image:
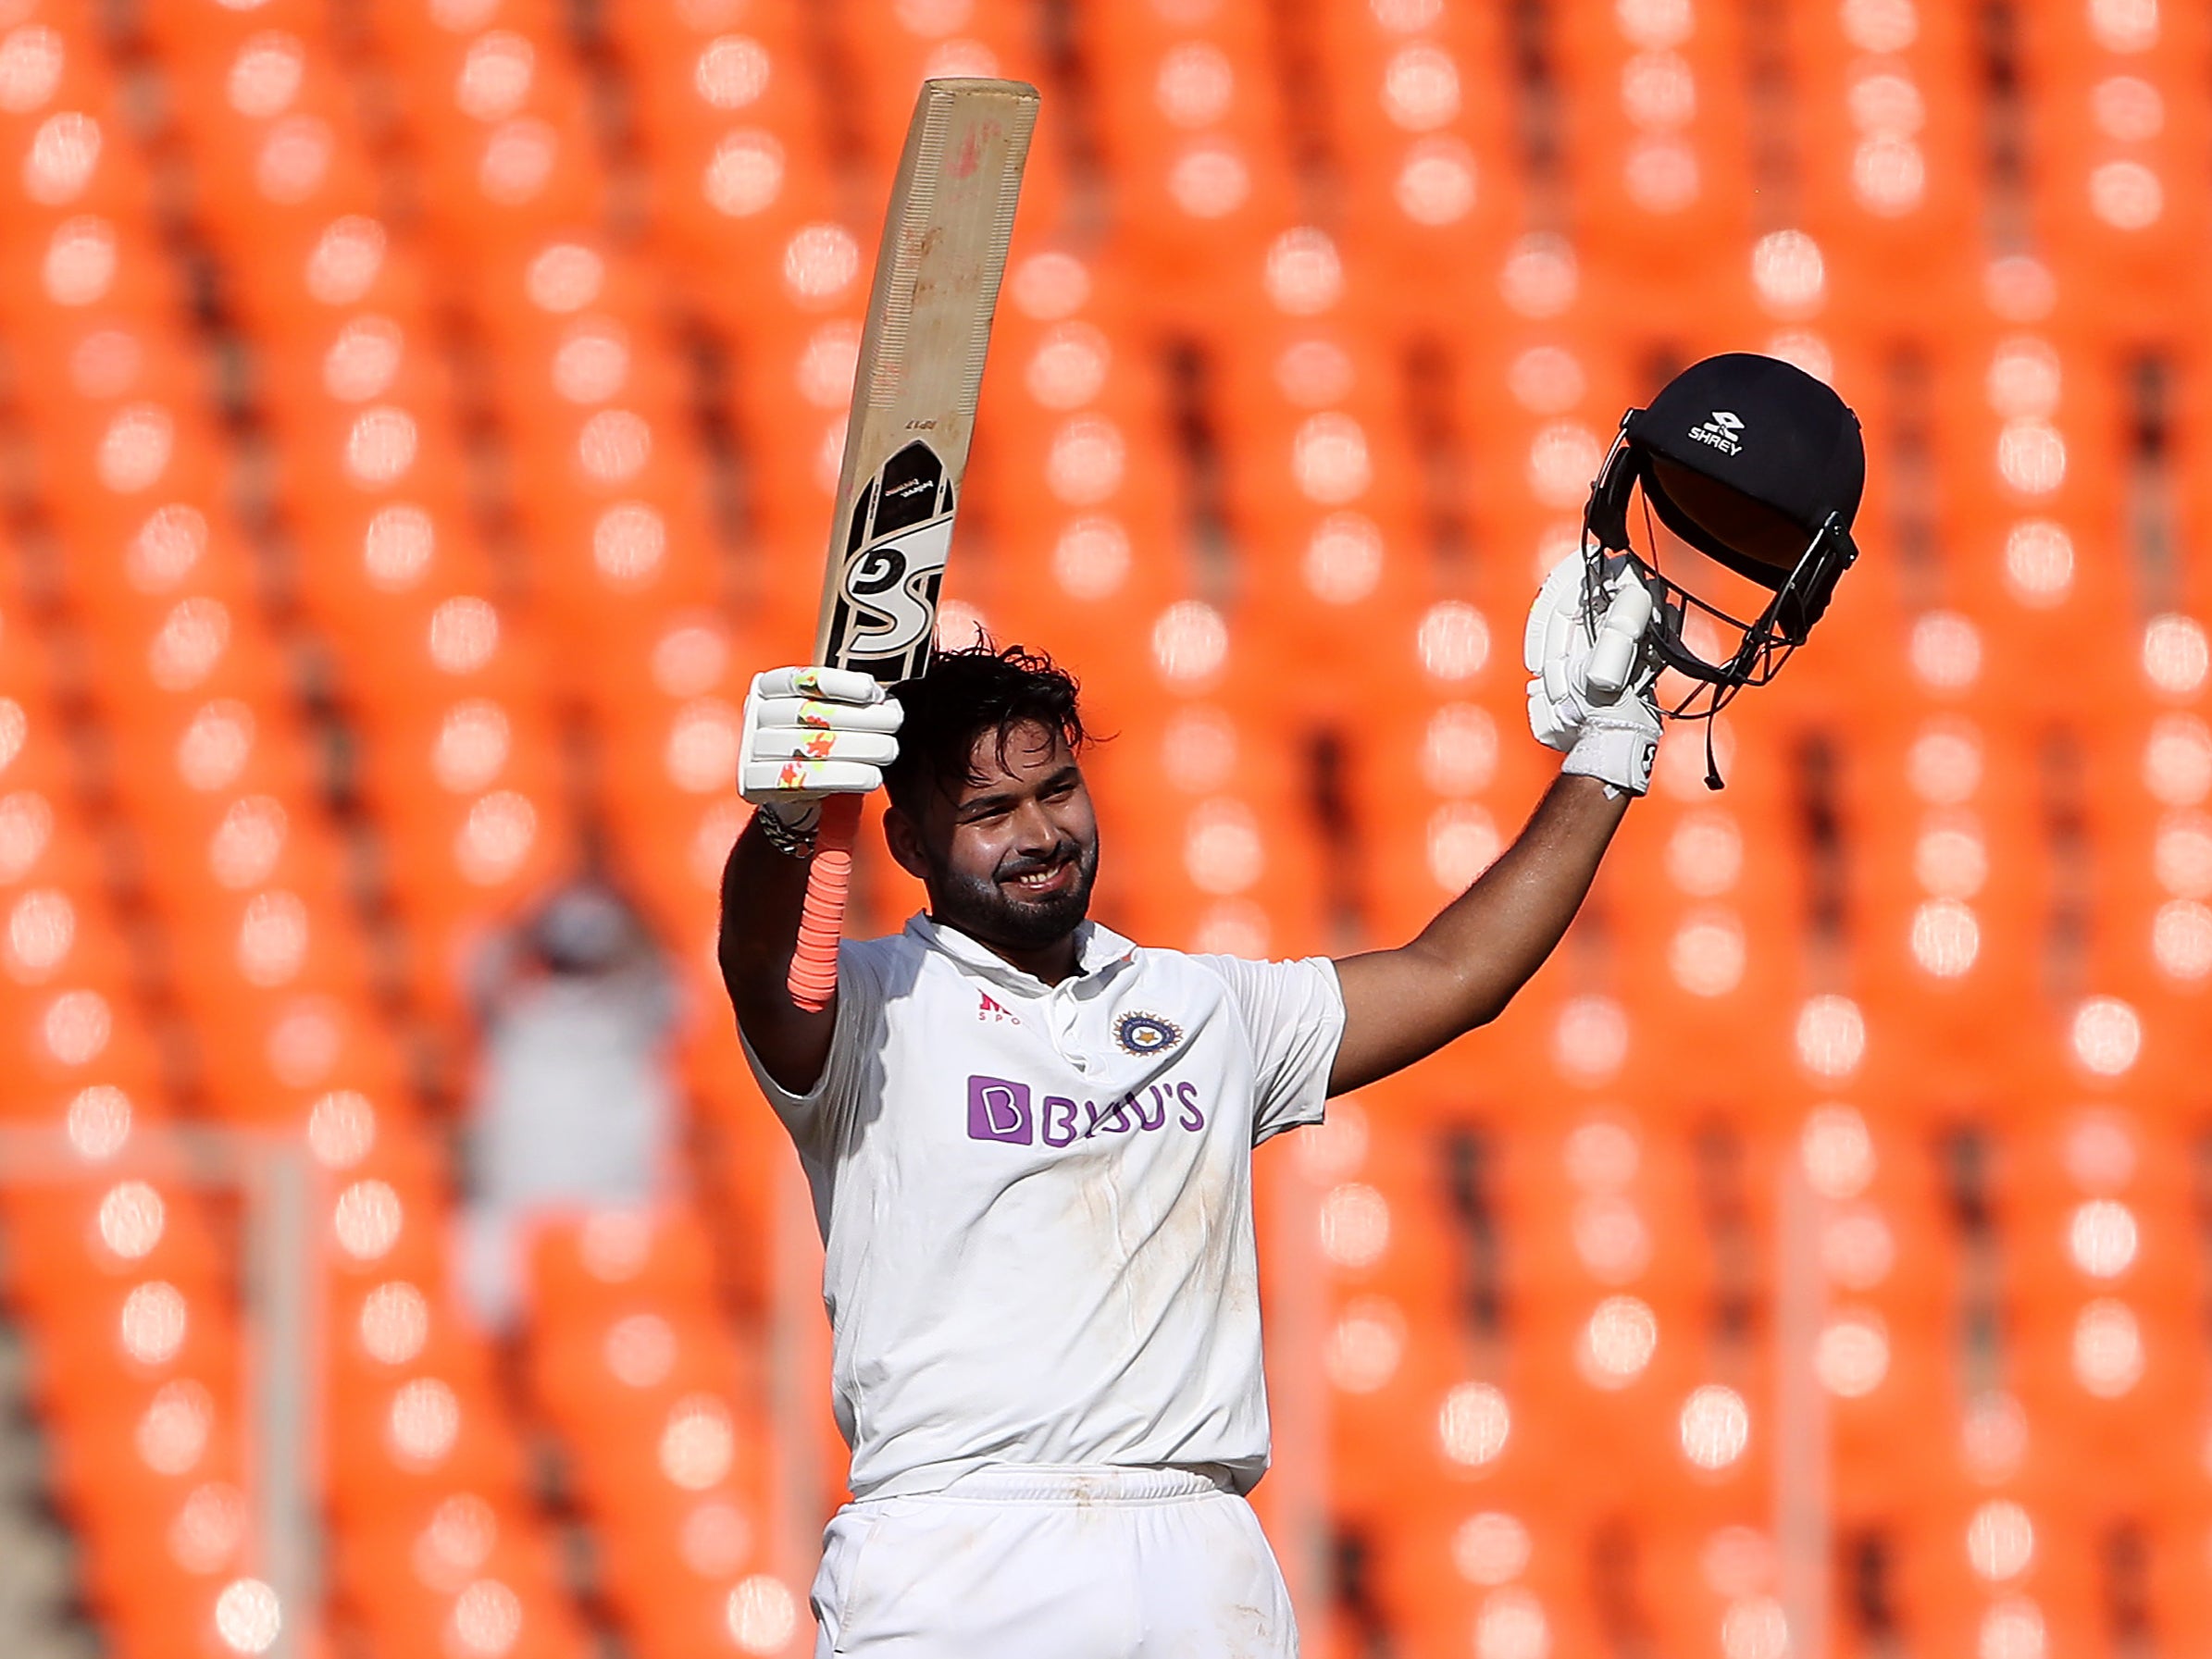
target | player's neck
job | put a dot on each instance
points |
(1049, 964)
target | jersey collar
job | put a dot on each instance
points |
(1098, 950)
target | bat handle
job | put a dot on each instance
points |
(814, 976)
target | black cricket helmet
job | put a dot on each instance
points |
(1757, 466)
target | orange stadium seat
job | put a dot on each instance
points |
(268, 120)
(1525, 461)
(1190, 123)
(733, 179)
(2034, 434)
(1891, 171)
(787, 356)
(69, 161)
(669, 716)
(429, 1477)
(134, 1364)
(1084, 536)
(458, 1571)
(705, 79)
(306, 288)
(1422, 125)
(631, 1362)
(2112, 123)
(1658, 154)
(495, 100)
(1324, 505)
(617, 518)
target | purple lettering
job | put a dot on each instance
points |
(1160, 1097)
(1114, 1119)
(998, 1110)
(1060, 1120)
(1192, 1118)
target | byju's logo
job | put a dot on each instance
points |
(998, 1110)
(1723, 431)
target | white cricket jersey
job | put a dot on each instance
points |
(1035, 1200)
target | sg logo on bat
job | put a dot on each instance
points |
(894, 566)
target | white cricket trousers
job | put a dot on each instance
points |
(1053, 1562)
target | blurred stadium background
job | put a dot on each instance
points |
(419, 422)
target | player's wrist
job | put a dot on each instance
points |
(790, 828)
(1620, 755)
(796, 815)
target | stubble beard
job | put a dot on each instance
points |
(981, 908)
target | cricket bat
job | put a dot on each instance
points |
(906, 442)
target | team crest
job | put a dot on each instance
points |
(1145, 1033)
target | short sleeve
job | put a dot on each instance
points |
(1293, 1015)
(819, 1120)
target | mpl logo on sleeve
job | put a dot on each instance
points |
(1722, 431)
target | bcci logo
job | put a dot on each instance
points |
(1145, 1033)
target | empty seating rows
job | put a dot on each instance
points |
(426, 420)
(1564, 1303)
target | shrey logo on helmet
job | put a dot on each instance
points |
(1721, 431)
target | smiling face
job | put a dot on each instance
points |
(1010, 852)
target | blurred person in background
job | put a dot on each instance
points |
(573, 1106)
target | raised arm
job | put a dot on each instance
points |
(761, 892)
(1402, 1004)
(809, 732)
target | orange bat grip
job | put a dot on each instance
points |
(814, 976)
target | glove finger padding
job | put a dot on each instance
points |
(1618, 651)
(811, 714)
(1547, 721)
(774, 782)
(1551, 619)
(829, 685)
(870, 749)
(1549, 648)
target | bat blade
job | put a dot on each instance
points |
(906, 441)
(920, 369)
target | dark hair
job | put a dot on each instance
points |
(964, 694)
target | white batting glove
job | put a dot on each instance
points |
(811, 731)
(1609, 735)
